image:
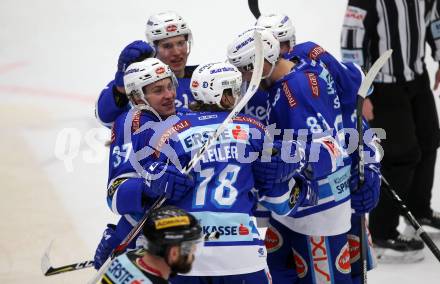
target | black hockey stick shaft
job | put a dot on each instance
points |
(89, 263)
(409, 216)
(362, 236)
(253, 6)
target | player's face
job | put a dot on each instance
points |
(181, 263)
(161, 95)
(173, 51)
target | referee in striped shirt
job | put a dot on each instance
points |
(403, 104)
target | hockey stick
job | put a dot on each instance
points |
(49, 270)
(409, 216)
(253, 86)
(255, 10)
(362, 94)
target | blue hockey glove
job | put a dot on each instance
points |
(109, 241)
(134, 52)
(282, 166)
(171, 182)
(308, 191)
(364, 199)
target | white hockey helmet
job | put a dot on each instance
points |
(210, 80)
(241, 52)
(143, 73)
(280, 25)
(166, 25)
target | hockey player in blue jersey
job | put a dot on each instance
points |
(169, 39)
(172, 236)
(152, 96)
(304, 97)
(223, 199)
(347, 77)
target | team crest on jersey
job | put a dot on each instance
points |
(273, 240)
(300, 264)
(289, 96)
(313, 83)
(354, 247)
(316, 52)
(343, 260)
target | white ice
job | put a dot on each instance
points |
(55, 57)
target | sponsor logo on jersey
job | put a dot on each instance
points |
(206, 117)
(251, 121)
(239, 133)
(171, 222)
(196, 136)
(176, 128)
(273, 240)
(355, 13)
(313, 83)
(135, 122)
(300, 264)
(316, 52)
(343, 260)
(160, 70)
(289, 96)
(119, 273)
(194, 84)
(171, 28)
(113, 135)
(354, 247)
(321, 265)
(231, 226)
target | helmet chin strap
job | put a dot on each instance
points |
(270, 72)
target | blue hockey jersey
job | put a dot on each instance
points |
(222, 199)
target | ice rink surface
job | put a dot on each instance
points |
(55, 57)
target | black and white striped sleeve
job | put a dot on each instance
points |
(433, 29)
(360, 22)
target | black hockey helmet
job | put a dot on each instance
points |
(169, 226)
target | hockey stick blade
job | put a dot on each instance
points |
(253, 87)
(255, 10)
(49, 270)
(378, 64)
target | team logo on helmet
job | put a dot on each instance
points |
(195, 84)
(273, 240)
(300, 264)
(171, 28)
(160, 70)
(343, 260)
